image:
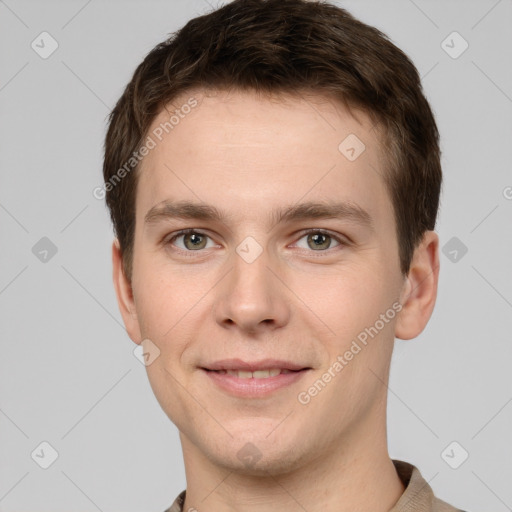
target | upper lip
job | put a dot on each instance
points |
(264, 364)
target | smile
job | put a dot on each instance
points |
(254, 384)
(259, 374)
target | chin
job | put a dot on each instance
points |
(259, 456)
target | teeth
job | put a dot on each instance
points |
(259, 374)
(263, 374)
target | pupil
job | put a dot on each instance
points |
(194, 240)
(319, 239)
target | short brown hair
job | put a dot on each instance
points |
(286, 46)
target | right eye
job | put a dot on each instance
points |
(192, 240)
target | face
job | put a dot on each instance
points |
(290, 263)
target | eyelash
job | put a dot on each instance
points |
(188, 231)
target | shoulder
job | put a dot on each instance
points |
(418, 495)
(177, 506)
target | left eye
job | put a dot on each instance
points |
(318, 240)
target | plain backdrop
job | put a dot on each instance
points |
(68, 374)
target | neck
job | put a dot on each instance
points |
(357, 476)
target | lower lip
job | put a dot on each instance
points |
(253, 388)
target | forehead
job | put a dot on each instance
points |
(244, 151)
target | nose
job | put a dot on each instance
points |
(252, 297)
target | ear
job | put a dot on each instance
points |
(124, 295)
(419, 292)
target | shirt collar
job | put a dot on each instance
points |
(417, 497)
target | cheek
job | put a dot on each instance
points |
(161, 301)
(172, 309)
(345, 302)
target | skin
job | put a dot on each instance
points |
(247, 155)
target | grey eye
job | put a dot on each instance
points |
(192, 241)
(318, 241)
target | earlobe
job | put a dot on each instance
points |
(419, 291)
(124, 294)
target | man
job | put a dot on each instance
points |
(273, 176)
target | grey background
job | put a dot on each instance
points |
(68, 375)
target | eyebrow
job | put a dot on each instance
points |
(168, 210)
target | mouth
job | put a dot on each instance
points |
(254, 379)
(256, 374)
